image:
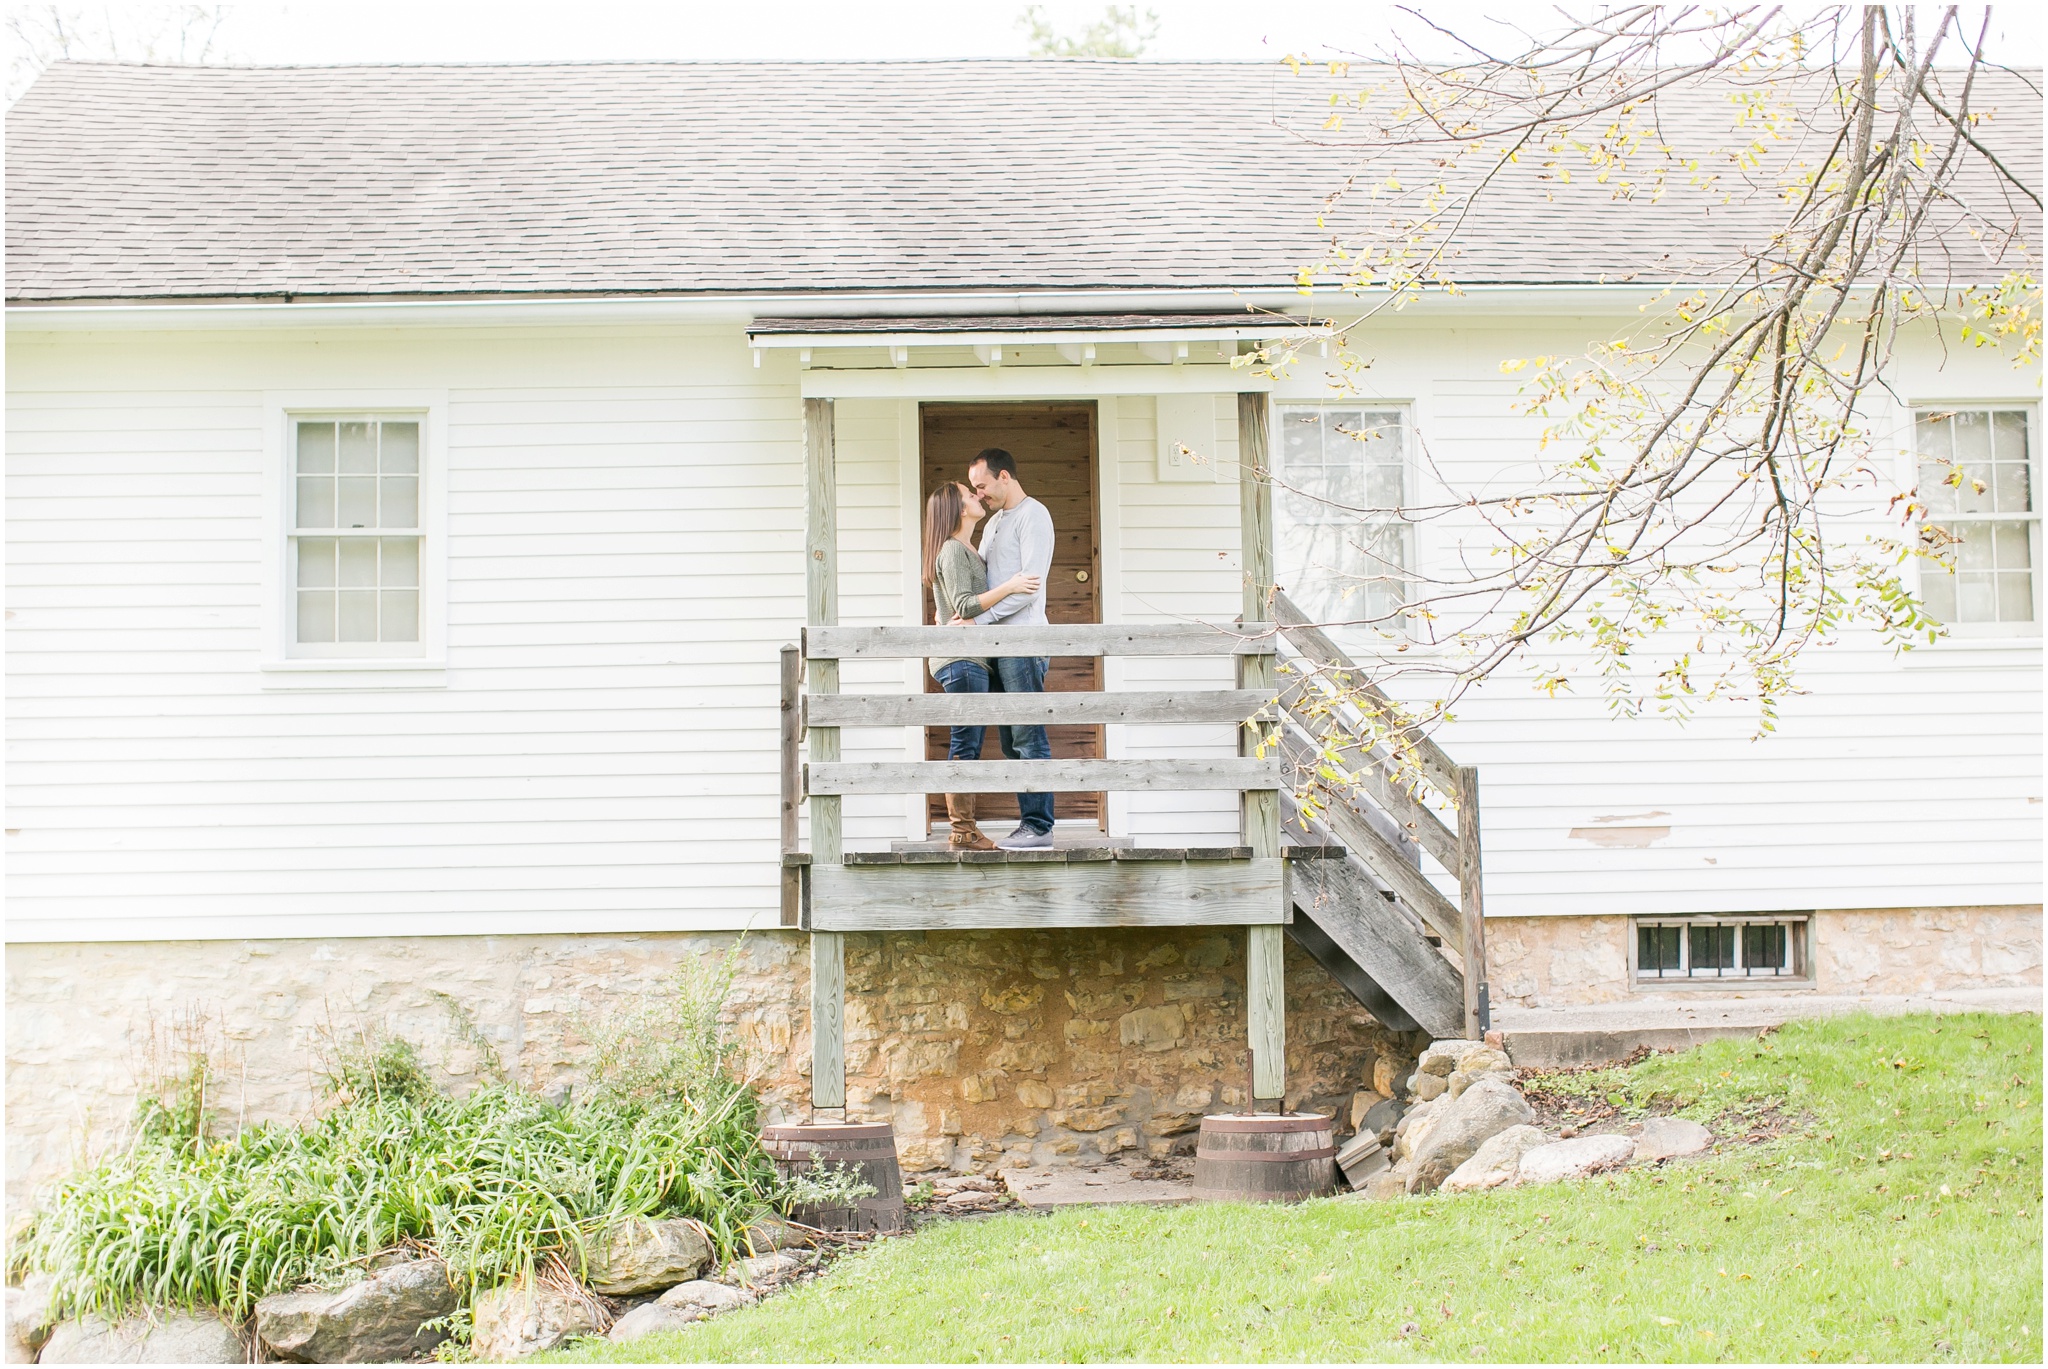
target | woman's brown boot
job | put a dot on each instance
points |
(966, 836)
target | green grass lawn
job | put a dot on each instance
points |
(1899, 1218)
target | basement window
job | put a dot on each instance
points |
(1716, 949)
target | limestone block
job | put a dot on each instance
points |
(1425, 1088)
(515, 1320)
(1088, 1119)
(1153, 1029)
(649, 1318)
(1666, 1138)
(161, 1337)
(1387, 1073)
(641, 1256)
(1574, 1159)
(704, 1298)
(373, 1322)
(1033, 1094)
(1442, 1056)
(1496, 1161)
(1362, 1102)
(1459, 1126)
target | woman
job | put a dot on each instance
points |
(959, 581)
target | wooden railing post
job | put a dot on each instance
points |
(821, 596)
(1265, 987)
(1478, 1011)
(792, 779)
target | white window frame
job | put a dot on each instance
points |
(1984, 634)
(1278, 409)
(1798, 950)
(286, 664)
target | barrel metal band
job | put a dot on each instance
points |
(1268, 1156)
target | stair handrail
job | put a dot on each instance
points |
(1457, 783)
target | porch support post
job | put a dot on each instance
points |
(821, 609)
(1265, 986)
(1478, 1011)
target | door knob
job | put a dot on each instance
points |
(1082, 576)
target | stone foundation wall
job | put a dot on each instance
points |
(980, 1047)
(1562, 961)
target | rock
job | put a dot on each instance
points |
(1496, 1160)
(1381, 1119)
(515, 1320)
(703, 1298)
(1459, 1126)
(372, 1322)
(773, 1233)
(1668, 1138)
(642, 1256)
(152, 1338)
(764, 1268)
(648, 1318)
(1413, 1126)
(1574, 1159)
(1442, 1056)
(973, 1200)
(1392, 1183)
(1362, 1104)
(1484, 1060)
(31, 1312)
(1426, 1088)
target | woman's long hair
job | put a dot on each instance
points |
(941, 518)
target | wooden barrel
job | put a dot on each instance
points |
(1265, 1158)
(866, 1147)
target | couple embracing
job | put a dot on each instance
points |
(1002, 582)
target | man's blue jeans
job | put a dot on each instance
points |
(1026, 675)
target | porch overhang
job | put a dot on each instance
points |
(1060, 353)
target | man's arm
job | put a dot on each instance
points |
(1034, 557)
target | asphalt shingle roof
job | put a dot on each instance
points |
(136, 182)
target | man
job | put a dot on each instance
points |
(1018, 537)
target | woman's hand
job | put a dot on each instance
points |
(1019, 583)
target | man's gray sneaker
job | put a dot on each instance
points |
(1024, 839)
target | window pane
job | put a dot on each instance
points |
(357, 621)
(358, 563)
(316, 448)
(358, 449)
(401, 622)
(316, 501)
(401, 507)
(2015, 597)
(2011, 490)
(1973, 552)
(399, 446)
(1975, 600)
(316, 562)
(1763, 948)
(316, 615)
(401, 568)
(1973, 454)
(1657, 949)
(1938, 592)
(358, 501)
(1713, 948)
(2009, 545)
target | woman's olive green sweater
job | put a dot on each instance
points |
(958, 582)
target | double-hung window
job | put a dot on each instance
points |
(356, 535)
(1976, 479)
(1345, 551)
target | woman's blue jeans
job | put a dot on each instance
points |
(964, 677)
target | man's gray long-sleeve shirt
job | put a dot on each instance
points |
(1018, 539)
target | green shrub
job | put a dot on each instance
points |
(495, 1184)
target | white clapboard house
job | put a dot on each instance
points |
(473, 501)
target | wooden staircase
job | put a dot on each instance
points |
(1375, 920)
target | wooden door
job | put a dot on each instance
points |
(1055, 446)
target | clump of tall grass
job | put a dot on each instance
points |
(497, 1184)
